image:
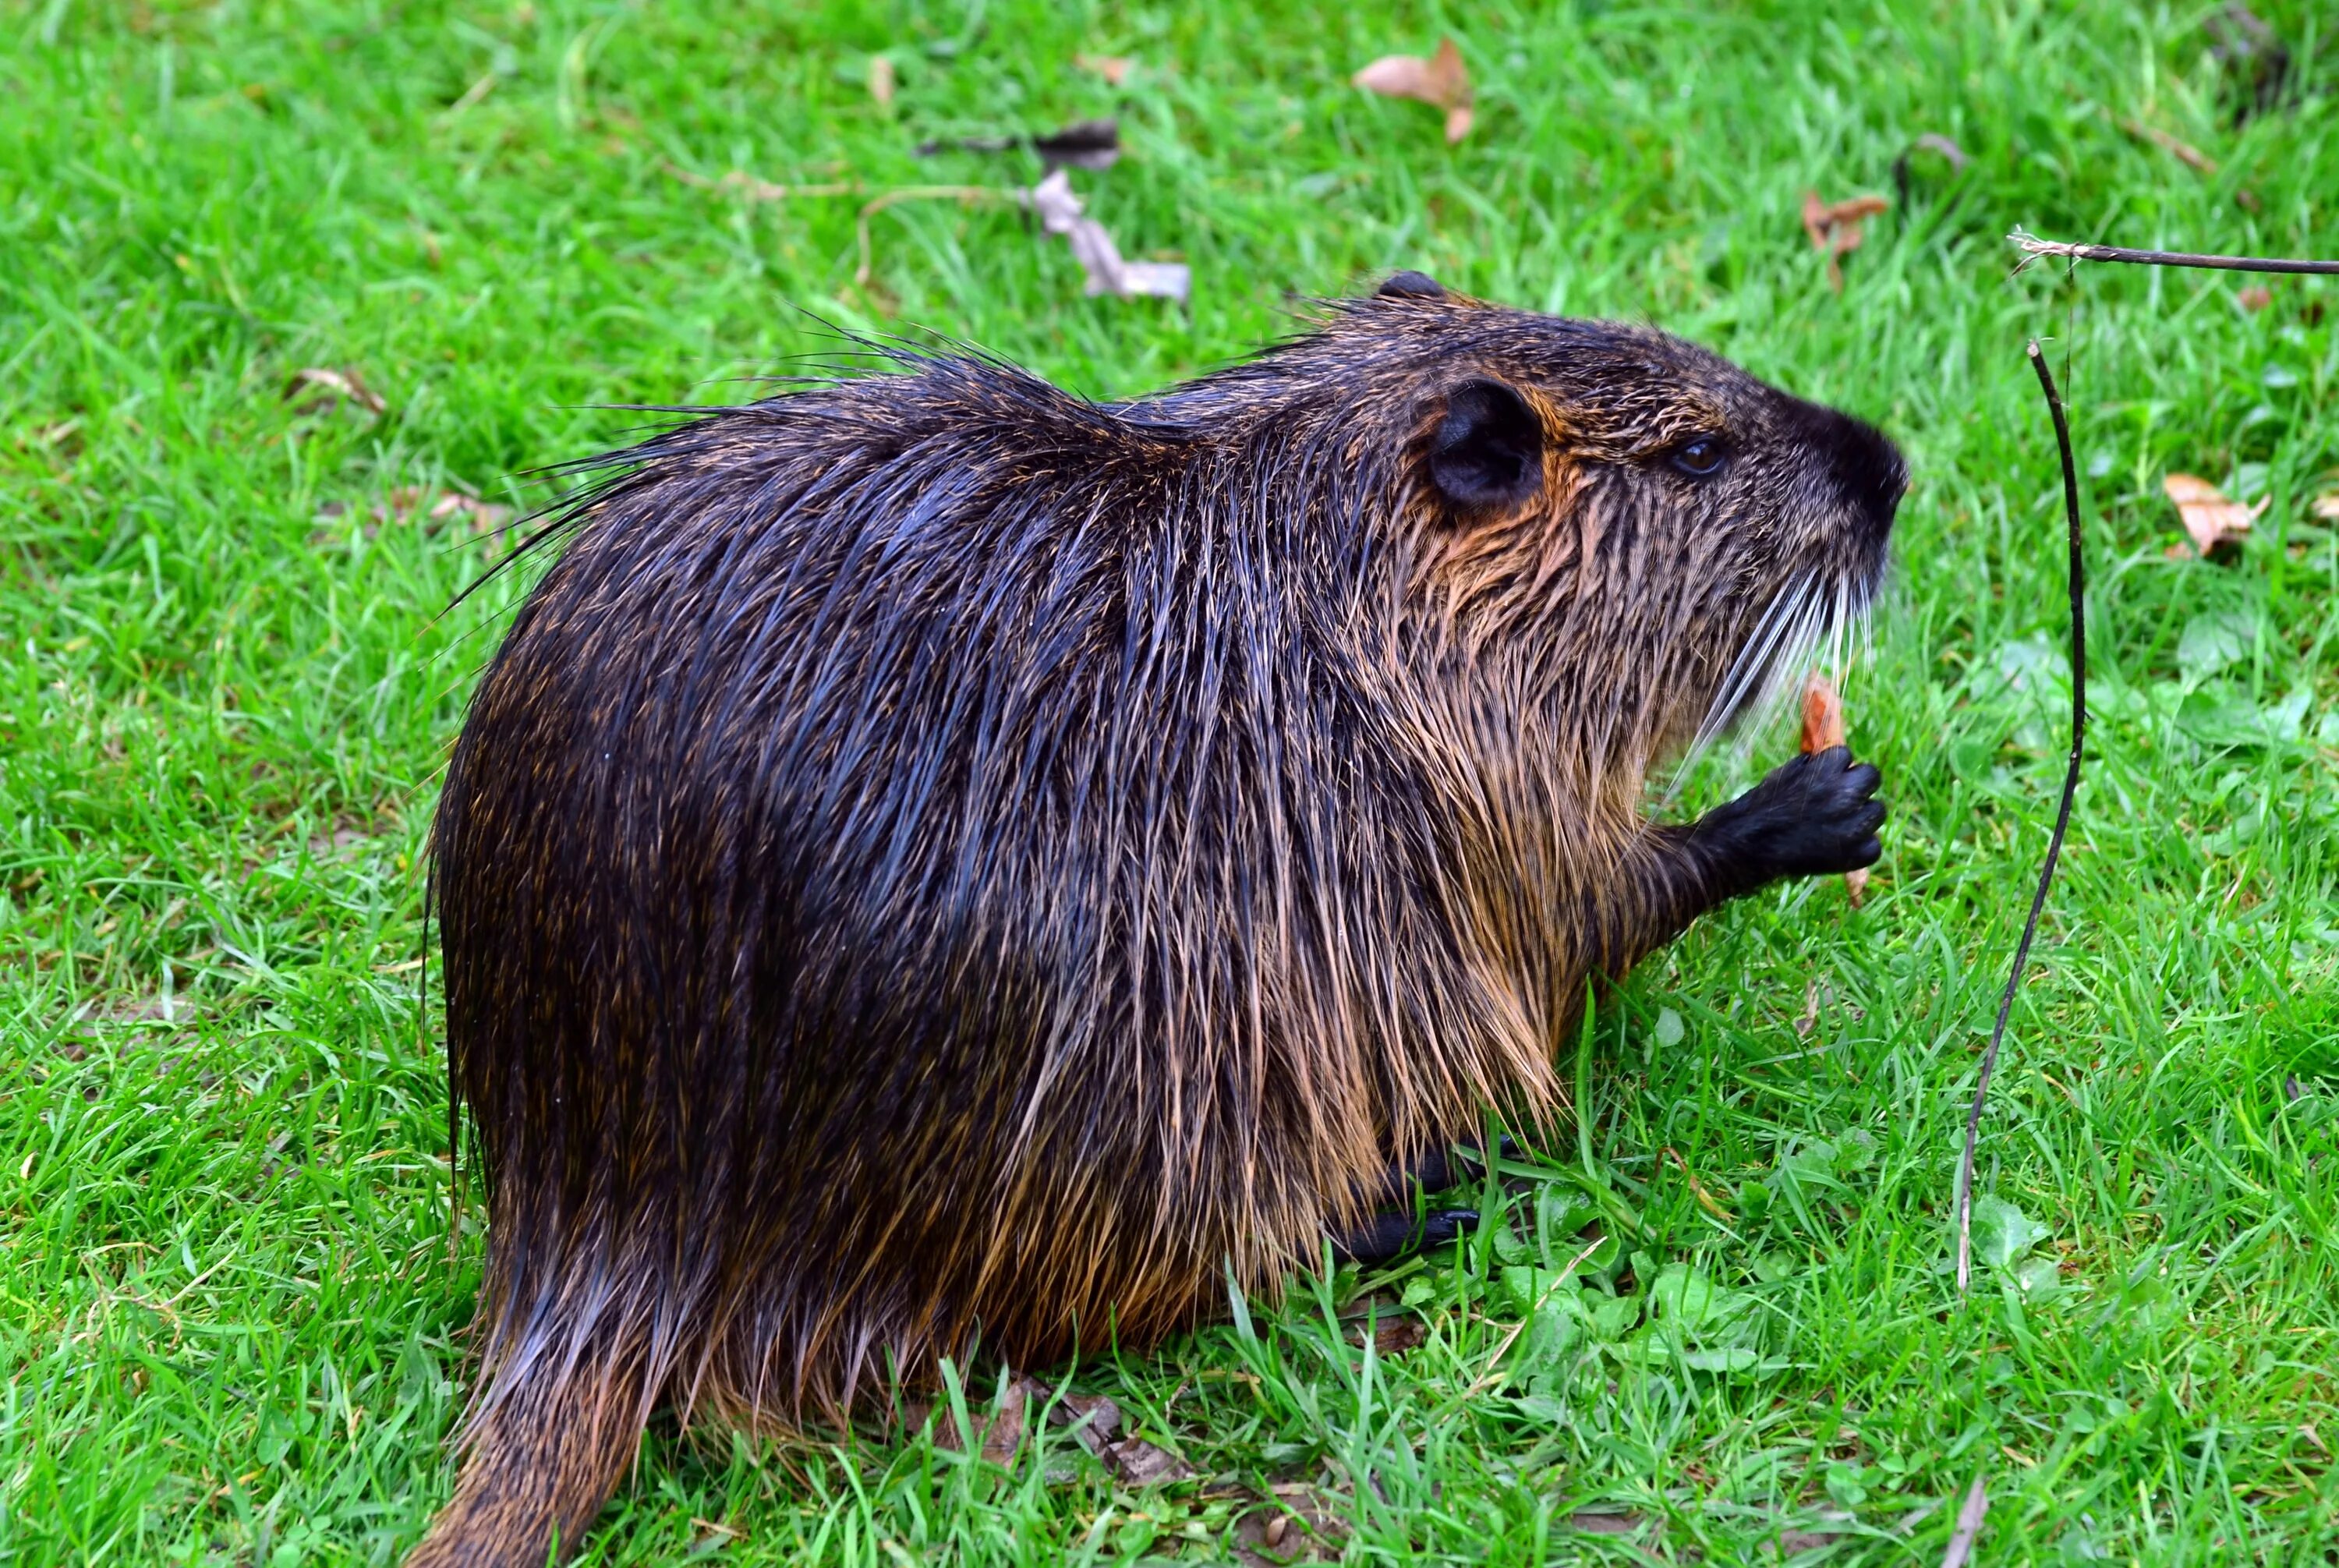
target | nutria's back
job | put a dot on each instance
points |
(939, 857)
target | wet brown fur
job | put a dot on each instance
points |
(938, 859)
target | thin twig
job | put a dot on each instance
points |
(1703, 1197)
(1488, 1378)
(2033, 247)
(2184, 152)
(2078, 586)
(758, 190)
(919, 194)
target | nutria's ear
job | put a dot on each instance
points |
(1485, 450)
(1410, 286)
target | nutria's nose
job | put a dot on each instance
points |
(1864, 463)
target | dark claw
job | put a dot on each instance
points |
(1443, 1225)
(1385, 1238)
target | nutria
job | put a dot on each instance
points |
(938, 859)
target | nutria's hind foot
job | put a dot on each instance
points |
(1385, 1238)
(1813, 816)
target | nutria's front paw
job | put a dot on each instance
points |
(1812, 816)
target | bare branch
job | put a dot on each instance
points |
(2033, 247)
(2078, 586)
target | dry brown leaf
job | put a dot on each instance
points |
(2326, 506)
(1400, 1335)
(1114, 68)
(996, 1436)
(2210, 520)
(435, 507)
(1394, 1335)
(1002, 1435)
(1823, 728)
(338, 385)
(1809, 1019)
(1141, 1463)
(880, 80)
(1092, 1418)
(1441, 81)
(2257, 297)
(1838, 228)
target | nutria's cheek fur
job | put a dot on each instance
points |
(938, 862)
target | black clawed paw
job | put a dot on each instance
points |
(1813, 816)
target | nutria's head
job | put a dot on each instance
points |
(1598, 524)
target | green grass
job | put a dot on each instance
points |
(233, 1328)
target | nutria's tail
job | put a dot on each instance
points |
(548, 1435)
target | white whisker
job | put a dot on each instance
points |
(1754, 659)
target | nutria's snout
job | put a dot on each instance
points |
(1868, 470)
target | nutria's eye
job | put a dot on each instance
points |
(1702, 459)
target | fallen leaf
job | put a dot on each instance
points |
(1141, 1463)
(1393, 1336)
(1838, 228)
(1114, 68)
(2210, 520)
(1970, 1513)
(2257, 297)
(1002, 1435)
(1823, 728)
(880, 80)
(997, 1433)
(1441, 81)
(338, 386)
(1809, 1019)
(1092, 1419)
(1060, 213)
(2326, 506)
